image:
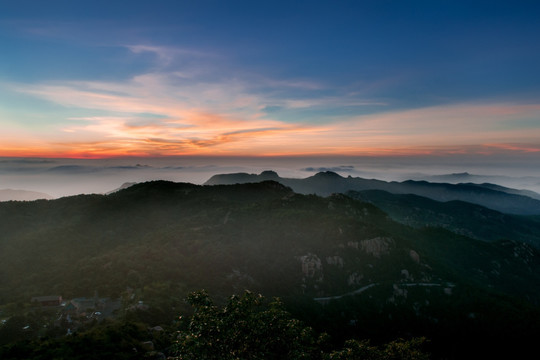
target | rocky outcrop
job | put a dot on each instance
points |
(377, 246)
(335, 260)
(311, 265)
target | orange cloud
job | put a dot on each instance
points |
(166, 114)
(524, 148)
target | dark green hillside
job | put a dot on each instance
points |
(460, 217)
(340, 264)
(198, 236)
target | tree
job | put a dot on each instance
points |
(247, 327)
(395, 350)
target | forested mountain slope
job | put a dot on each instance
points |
(340, 263)
(461, 217)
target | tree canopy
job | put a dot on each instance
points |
(248, 327)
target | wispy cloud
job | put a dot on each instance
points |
(328, 102)
(456, 124)
(516, 147)
(157, 114)
(166, 55)
(180, 108)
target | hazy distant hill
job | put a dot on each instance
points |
(495, 197)
(487, 181)
(21, 195)
(457, 216)
(528, 193)
(123, 186)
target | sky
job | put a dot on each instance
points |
(102, 79)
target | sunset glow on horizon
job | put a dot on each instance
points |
(95, 80)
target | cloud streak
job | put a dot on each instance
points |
(180, 108)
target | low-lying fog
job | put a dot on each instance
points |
(63, 177)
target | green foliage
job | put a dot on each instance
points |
(404, 350)
(355, 350)
(245, 328)
(395, 350)
(110, 340)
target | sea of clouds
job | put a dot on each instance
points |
(64, 177)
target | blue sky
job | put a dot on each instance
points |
(141, 78)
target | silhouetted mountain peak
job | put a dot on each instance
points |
(269, 175)
(327, 175)
(234, 178)
(153, 188)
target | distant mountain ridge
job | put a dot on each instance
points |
(123, 186)
(527, 182)
(500, 198)
(507, 190)
(22, 195)
(460, 217)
